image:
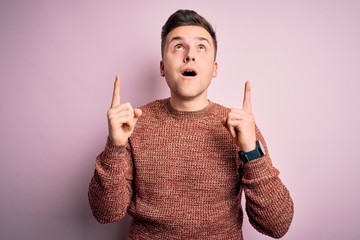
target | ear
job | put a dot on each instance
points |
(215, 70)
(162, 72)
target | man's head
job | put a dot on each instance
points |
(188, 57)
(186, 18)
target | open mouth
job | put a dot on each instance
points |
(189, 73)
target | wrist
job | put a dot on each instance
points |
(248, 147)
(257, 152)
(118, 143)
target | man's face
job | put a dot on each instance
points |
(189, 62)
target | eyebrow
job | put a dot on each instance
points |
(179, 38)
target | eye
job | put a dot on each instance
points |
(179, 47)
(202, 48)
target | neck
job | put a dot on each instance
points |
(188, 105)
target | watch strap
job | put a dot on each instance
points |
(258, 152)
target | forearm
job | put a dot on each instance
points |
(268, 202)
(110, 188)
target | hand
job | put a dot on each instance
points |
(121, 118)
(241, 124)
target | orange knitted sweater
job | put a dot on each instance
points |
(179, 177)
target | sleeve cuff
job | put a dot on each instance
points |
(114, 152)
(259, 168)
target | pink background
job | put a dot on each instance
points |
(58, 60)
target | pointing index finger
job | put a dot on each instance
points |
(247, 98)
(116, 93)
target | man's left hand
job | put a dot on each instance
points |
(241, 124)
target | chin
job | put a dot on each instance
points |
(189, 95)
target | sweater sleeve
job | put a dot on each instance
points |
(110, 189)
(269, 205)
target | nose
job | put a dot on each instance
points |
(189, 57)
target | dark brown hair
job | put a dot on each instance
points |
(186, 17)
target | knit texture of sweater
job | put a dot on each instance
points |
(180, 177)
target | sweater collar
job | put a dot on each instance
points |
(187, 114)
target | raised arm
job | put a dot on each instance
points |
(268, 202)
(110, 188)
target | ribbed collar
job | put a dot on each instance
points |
(185, 114)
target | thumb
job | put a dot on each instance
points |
(137, 112)
(231, 129)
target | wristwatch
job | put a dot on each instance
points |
(258, 152)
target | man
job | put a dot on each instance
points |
(178, 166)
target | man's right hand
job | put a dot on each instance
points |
(121, 118)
